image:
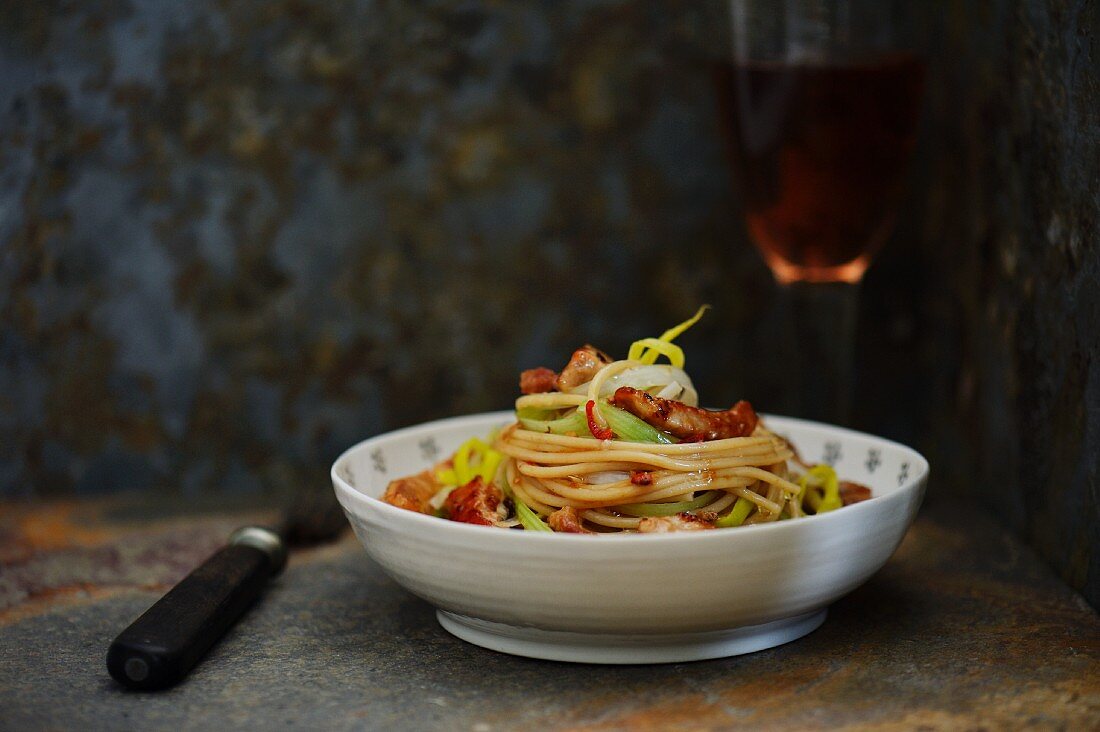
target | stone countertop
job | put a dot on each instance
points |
(964, 627)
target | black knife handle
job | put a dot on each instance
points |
(161, 646)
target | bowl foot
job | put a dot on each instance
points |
(556, 645)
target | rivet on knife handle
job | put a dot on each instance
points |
(161, 646)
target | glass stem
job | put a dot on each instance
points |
(824, 318)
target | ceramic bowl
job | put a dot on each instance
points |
(631, 598)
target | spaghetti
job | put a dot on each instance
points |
(548, 472)
(611, 446)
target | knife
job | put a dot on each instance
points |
(165, 643)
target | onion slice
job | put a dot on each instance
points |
(607, 476)
(651, 378)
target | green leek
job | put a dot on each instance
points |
(821, 477)
(489, 464)
(737, 515)
(462, 459)
(528, 518)
(666, 509)
(574, 423)
(536, 413)
(630, 428)
(648, 350)
(474, 457)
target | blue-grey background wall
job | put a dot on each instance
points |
(236, 237)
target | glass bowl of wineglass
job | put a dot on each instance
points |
(820, 101)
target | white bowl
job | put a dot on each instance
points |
(631, 598)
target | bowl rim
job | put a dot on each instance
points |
(344, 490)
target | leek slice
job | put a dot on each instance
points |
(648, 377)
(528, 518)
(473, 458)
(737, 515)
(574, 422)
(666, 509)
(821, 477)
(648, 350)
(536, 413)
(489, 464)
(462, 460)
(671, 334)
(630, 428)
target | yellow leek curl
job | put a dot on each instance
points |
(473, 458)
(648, 350)
(821, 489)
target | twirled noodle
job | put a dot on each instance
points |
(641, 478)
(548, 472)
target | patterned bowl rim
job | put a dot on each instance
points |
(347, 493)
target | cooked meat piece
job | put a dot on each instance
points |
(537, 381)
(680, 522)
(641, 477)
(567, 521)
(584, 364)
(413, 492)
(683, 421)
(474, 503)
(853, 492)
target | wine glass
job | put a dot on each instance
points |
(821, 100)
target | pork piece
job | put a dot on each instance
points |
(680, 522)
(415, 491)
(853, 492)
(474, 503)
(567, 521)
(584, 364)
(538, 381)
(686, 422)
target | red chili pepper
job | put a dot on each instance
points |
(641, 477)
(600, 433)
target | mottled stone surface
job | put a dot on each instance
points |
(236, 237)
(964, 627)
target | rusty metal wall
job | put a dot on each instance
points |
(236, 237)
